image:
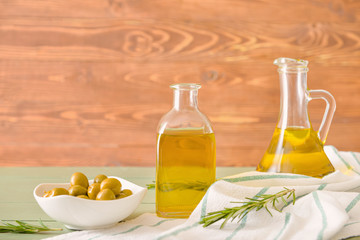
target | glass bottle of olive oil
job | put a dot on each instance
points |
(185, 165)
(295, 147)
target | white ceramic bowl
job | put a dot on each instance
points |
(78, 213)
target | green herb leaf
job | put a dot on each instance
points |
(168, 187)
(23, 227)
(151, 185)
(254, 203)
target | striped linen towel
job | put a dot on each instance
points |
(325, 208)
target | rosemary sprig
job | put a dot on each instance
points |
(254, 203)
(151, 185)
(168, 187)
(23, 227)
(196, 185)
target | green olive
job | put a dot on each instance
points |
(77, 190)
(127, 192)
(99, 178)
(111, 183)
(56, 192)
(93, 190)
(47, 194)
(105, 194)
(79, 178)
(83, 196)
(121, 195)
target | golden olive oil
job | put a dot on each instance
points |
(296, 150)
(185, 169)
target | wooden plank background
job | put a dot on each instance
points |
(86, 82)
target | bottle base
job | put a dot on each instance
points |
(173, 214)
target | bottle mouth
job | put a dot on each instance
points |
(291, 65)
(185, 86)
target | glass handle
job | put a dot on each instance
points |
(329, 111)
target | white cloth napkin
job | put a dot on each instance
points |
(325, 208)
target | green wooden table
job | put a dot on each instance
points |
(17, 185)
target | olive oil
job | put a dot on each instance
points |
(296, 150)
(185, 169)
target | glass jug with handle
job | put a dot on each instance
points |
(295, 147)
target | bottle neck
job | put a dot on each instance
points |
(293, 99)
(185, 99)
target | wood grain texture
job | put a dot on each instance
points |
(210, 10)
(86, 83)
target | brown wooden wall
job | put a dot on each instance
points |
(86, 82)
